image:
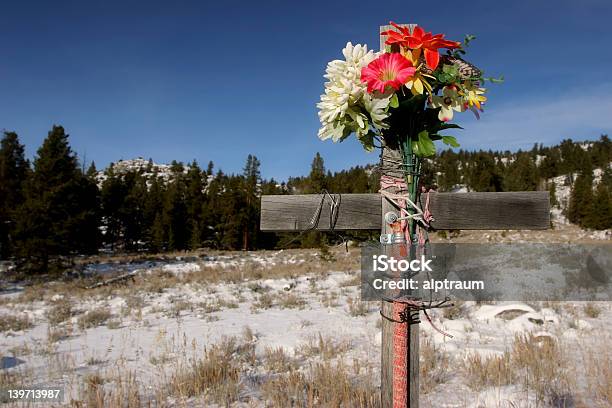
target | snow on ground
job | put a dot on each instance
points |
(151, 333)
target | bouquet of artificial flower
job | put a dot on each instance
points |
(405, 95)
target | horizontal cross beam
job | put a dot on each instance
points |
(529, 210)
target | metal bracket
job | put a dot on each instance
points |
(393, 238)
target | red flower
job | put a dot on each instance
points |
(419, 39)
(390, 69)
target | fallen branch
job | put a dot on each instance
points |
(120, 278)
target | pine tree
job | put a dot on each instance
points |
(232, 214)
(316, 179)
(175, 215)
(315, 183)
(212, 223)
(14, 170)
(58, 217)
(177, 167)
(250, 212)
(159, 237)
(427, 178)
(92, 172)
(581, 197)
(600, 215)
(522, 174)
(194, 197)
(551, 164)
(132, 208)
(606, 178)
(112, 196)
(153, 210)
(448, 166)
(601, 152)
(483, 174)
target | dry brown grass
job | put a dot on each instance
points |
(248, 335)
(216, 375)
(114, 324)
(227, 303)
(325, 385)
(14, 378)
(357, 307)
(208, 306)
(597, 362)
(324, 347)
(55, 334)
(276, 360)
(592, 310)
(541, 366)
(329, 299)
(123, 391)
(32, 293)
(60, 311)
(489, 371)
(291, 301)
(134, 303)
(177, 306)
(93, 318)
(535, 363)
(434, 366)
(263, 301)
(14, 323)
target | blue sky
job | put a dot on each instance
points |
(219, 80)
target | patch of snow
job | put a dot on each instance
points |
(181, 268)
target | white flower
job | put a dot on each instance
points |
(376, 105)
(448, 102)
(341, 107)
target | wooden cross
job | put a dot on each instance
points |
(527, 210)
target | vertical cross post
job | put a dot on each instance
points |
(399, 357)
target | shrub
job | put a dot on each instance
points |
(14, 323)
(94, 318)
(60, 311)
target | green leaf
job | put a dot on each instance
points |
(450, 140)
(394, 102)
(450, 69)
(468, 39)
(499, 80)
(424, 147)
(448, 126)
(367, 140)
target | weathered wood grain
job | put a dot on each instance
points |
(295, 212)
(467, 211)
(388, 158)
(508, 210)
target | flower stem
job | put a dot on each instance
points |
(412, 164)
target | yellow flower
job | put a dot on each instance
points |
(417, 83)
(473, 94)
(412, 55)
